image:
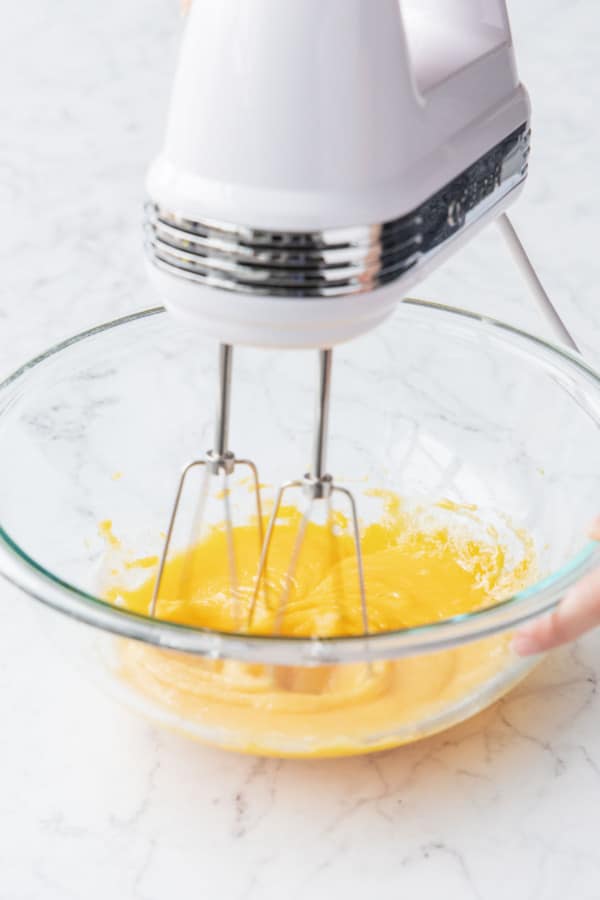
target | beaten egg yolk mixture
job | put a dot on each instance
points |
(414, 575)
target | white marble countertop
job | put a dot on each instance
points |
(94, 803)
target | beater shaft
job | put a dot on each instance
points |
(323, 403)
(224, 402)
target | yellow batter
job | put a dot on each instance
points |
(417, 571)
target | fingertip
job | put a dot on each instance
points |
(526, 644)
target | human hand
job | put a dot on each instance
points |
(577, 613)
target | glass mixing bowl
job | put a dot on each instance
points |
(438, 403)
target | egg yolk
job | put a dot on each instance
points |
(416, 572)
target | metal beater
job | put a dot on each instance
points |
(219, 461)
(316, 485)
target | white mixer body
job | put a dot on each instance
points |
(322, 155)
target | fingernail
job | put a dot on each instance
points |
(525, 645)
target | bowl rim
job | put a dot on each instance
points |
(35, 580)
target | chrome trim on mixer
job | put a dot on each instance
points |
(333, 262)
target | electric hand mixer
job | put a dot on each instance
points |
(321, 157)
